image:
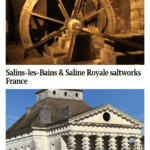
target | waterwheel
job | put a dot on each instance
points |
(86, 14)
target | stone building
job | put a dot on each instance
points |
(61, 120)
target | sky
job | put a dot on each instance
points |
(129, 101)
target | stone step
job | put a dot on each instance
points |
(89, 62)
(63, 41)
(110, 57)
(97, 48)
(56, 52)
(65, 60)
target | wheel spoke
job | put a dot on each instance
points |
(115, 39)
(46, 38)
(91, 14)
(63, 10)
(76, 8)
(43, 17)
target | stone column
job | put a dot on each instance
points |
(85, 142)
(112, 143)
(71, 142)
(99, 143)
(137, 143)
(125, 143)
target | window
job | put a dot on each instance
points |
(28, 147)
(76, 94)
(44, 94)
(65, 93)
(66, 111)
(39, 96)
(106, 116)
(53, 147)
(54, 92)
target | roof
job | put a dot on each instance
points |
(40, 91)
(78, 90)
(56, 105)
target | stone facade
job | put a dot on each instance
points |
(137, 15)
(78, 134)
(122, 16)
(35, 140)
(75, 142)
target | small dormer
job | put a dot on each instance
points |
(75, 94)
(45, 114)
(66, 112)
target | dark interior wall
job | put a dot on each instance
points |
(17, 7)
(122, 16)
(13, 10)
(7, 23)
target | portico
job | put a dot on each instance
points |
(100, 141)
(98, 130)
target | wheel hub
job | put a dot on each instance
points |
(74, 24)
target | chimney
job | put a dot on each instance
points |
(66, 112)
(28, 110)
(45, 114)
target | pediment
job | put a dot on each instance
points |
(115, 116)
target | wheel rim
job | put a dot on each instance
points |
(24, 23)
